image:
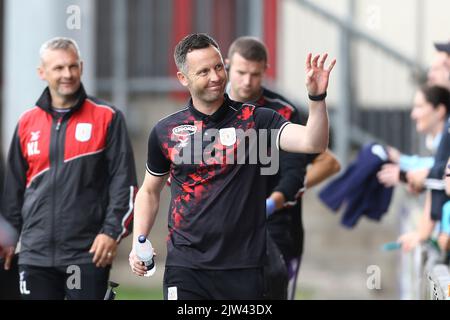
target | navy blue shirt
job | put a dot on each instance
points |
(217, 209)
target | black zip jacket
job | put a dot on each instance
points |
(68, 179)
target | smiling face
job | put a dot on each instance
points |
(427, 117)
(205, 76)
(439, 72)
(62, 70)
(246, 78)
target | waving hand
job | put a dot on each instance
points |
(317, 75)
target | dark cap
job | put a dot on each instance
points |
(442, 46)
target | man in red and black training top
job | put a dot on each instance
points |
(247, 63)
(216, 241)
(69, 184)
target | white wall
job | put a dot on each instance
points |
(29, 23)
(381, 81)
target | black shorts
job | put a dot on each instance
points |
(194, 284)
(275, 272)
(75, 282)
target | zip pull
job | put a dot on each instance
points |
(58, 124)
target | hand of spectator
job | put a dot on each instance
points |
(444, 242)
(389, 175)
(270, 207)
(8, 254)
(137, 266)
(416, 179)
(393, 154)
(104, 249)
(316, 75)
(409, 241)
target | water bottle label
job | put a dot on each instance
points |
(150, 272)
(151, 268)
(149, 264)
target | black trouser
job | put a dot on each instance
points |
(275, 272)
(193, 284)
(9, 281)
(75, 282)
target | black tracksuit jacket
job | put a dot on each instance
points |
(68, 179)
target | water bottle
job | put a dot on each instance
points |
(144, 252)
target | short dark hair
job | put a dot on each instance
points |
(250, 48)
(190, 43)
(437, 95)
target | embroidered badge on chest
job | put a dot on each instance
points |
(183, 133)
(83, 132)
(227, 136)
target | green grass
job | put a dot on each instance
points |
(304, 294)
(131, 293)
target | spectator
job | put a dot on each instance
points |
(430, 111)
(440, 98)
(444, 48)
(444, 236)
(439, 72)
(415, 169)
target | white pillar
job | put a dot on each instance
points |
(29, 23)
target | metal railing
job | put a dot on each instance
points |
(438, 283)
(350, 130)
(423, 273)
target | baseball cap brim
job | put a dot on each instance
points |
(445, 47)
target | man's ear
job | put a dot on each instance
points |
(81, 67)
(41, 72)
(442, 111)
(227, 64)
(182, 78)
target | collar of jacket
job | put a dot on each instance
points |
(45, 100)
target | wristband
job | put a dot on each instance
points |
(319, 97)
(270, 207)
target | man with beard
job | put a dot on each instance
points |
(216, 241)
(70, 184)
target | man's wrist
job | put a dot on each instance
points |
(109, 232)
(319, 97)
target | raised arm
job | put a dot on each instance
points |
(312, 138)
